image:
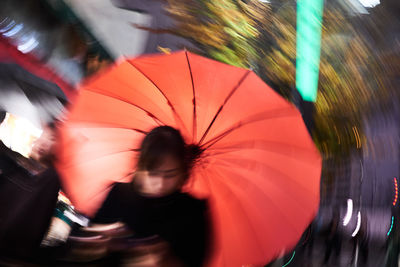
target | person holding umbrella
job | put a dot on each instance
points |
(258, 166)
(153, 205)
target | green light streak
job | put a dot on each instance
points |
(308, 46)
(294, 252)
(391, 226)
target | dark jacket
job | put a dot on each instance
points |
(179, 219)
(27, 202)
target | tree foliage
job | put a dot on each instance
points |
(262, 37)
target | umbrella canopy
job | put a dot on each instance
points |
(25, 94)
(259, 167)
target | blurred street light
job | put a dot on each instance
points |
(369, 3)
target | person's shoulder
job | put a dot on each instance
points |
(5, 159)
(9, 161)
(48, 176)
(122, 186)
(6, 154)
(193, 202)
(49, 171)
(121, 190)
(118, 193)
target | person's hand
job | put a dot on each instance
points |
(156, 254)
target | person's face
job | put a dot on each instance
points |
(163, 180)
(43, 147)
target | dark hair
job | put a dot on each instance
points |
(165, 141)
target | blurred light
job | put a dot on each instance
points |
(294, 252)
(28, 46)
(357, 136)
(18, 134)
(396, 191)
(8, 27)
(164, 50)
(77, 218)
(63, 198)
(308, 44)
(391, 226)
(369, 3)
(14, 30)
(337, 134)
(349, 212)
(358, 225)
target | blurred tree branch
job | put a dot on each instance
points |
(257, 35)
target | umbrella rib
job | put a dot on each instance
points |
(272, 202)
(212, 192)
(109, 155)
(240, 124)
(223, 104)
(239, 146)
(161, 91)
(241, 207)
(271, 168)
(246, 144)
(193, 100)
(151, 115)
(95, 125)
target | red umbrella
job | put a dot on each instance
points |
(260, 168)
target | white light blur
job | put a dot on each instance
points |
(3, 21)
(28, 46)
(18, 134)
(349, 212)
(77, 218)
(14, 30)
(369, 3)
(8, 27)
(358, 225)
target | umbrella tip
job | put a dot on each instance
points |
(193, 153)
